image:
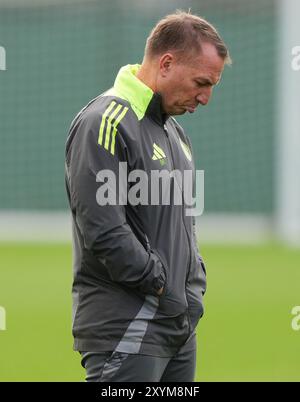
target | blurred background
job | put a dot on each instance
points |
(57, 55)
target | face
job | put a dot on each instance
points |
(184, 86)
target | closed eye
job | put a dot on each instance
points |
(204, 83)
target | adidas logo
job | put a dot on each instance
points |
(158, 154)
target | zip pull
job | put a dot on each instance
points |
(166, 130)
(147, 242)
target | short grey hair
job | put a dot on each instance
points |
(183, 33)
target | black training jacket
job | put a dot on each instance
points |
(124, 252)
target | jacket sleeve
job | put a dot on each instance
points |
(104, 228)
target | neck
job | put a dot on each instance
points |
(148, 76)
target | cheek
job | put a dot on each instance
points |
(178, 91)
(185, 93)
(173, 93)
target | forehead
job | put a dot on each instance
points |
(207, 64)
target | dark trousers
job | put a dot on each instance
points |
(119, 367)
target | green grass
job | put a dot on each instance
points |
(245, 335)
(246, 332)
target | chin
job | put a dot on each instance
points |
(177, 112)
(181, 112)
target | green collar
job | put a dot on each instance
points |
(130, 88)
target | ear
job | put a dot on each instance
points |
(166, 63)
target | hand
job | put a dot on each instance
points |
(159, 292)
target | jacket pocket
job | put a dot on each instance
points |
(173, 301)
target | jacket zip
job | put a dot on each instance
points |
(188, 239)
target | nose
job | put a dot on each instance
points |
(204, 96)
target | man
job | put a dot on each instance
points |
(138, 276)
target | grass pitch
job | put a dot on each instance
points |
(245, 334)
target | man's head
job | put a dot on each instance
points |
(184, 59)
